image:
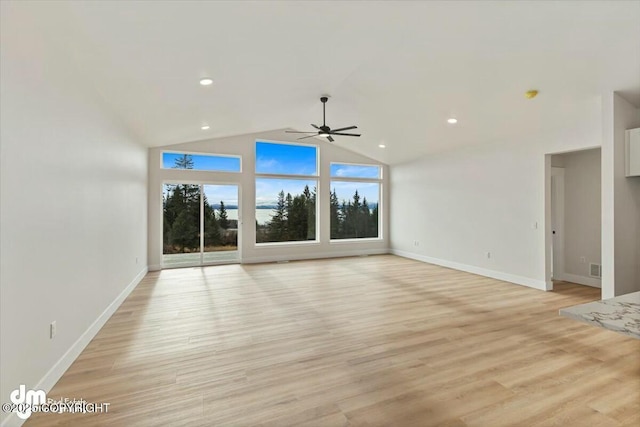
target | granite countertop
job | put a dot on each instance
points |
(620, 314)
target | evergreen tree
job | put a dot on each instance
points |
(174, 204)
(365, 218)
(184, 232)
(334, 215)
(222, 216)
(182, 202)
(277, 227)
(355, 214)
(212, 234)
(310, 204)
(288, 202)
(297, 218)
(345, 222)
(373, 224)
(183, 162)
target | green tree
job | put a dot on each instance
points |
(183, 162)
(345, 220)
(334, 215)
(373, 224)
(297, 218)
(184, 232)
(222, 216)
(364, 219)
(310, 204)
(277, 227)
(212, 233)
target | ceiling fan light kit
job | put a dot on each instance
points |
(324, 130)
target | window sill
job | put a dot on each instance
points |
(292, 243)
(363, 239)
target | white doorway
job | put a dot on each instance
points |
(557, 223)
(573, 224)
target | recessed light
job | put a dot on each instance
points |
(206, 81)
(205, 127)
(382, 146)
(452, 121)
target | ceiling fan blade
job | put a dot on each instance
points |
(295, 131)
(309, 136)
(347, 128)
(330, 139)
(345, 134)
(315, 126)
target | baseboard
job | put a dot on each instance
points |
(61, 366)
(580, 280)
(155, 267)
(511, 278)
(319, 255)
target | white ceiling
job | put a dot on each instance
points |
(396, 69)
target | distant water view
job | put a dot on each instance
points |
(262, 215)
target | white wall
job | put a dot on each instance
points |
(73, 213)
(582, 219)
(462, 204)
(621, 201)
(244, 145)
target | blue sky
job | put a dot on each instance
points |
(286, 159)
(204, 162)
(354, 171)
(226, 193)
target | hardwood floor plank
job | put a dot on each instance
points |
(366, 341)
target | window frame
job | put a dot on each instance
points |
(380, 182)
(316, 178)
(380, 168)
(298, 144)
(193, 153)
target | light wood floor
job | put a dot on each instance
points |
(355, 341)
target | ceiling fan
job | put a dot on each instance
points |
(325, 130)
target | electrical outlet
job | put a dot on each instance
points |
(53, 329)
(583, 260)
(136, 260)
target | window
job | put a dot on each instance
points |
(286, 185)
(355, 201)
(200, 223)
(201, 162)
(286, 159)
(343, 170)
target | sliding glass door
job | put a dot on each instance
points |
(200, 224)
(221, 223)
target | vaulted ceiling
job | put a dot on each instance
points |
(398, 70)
